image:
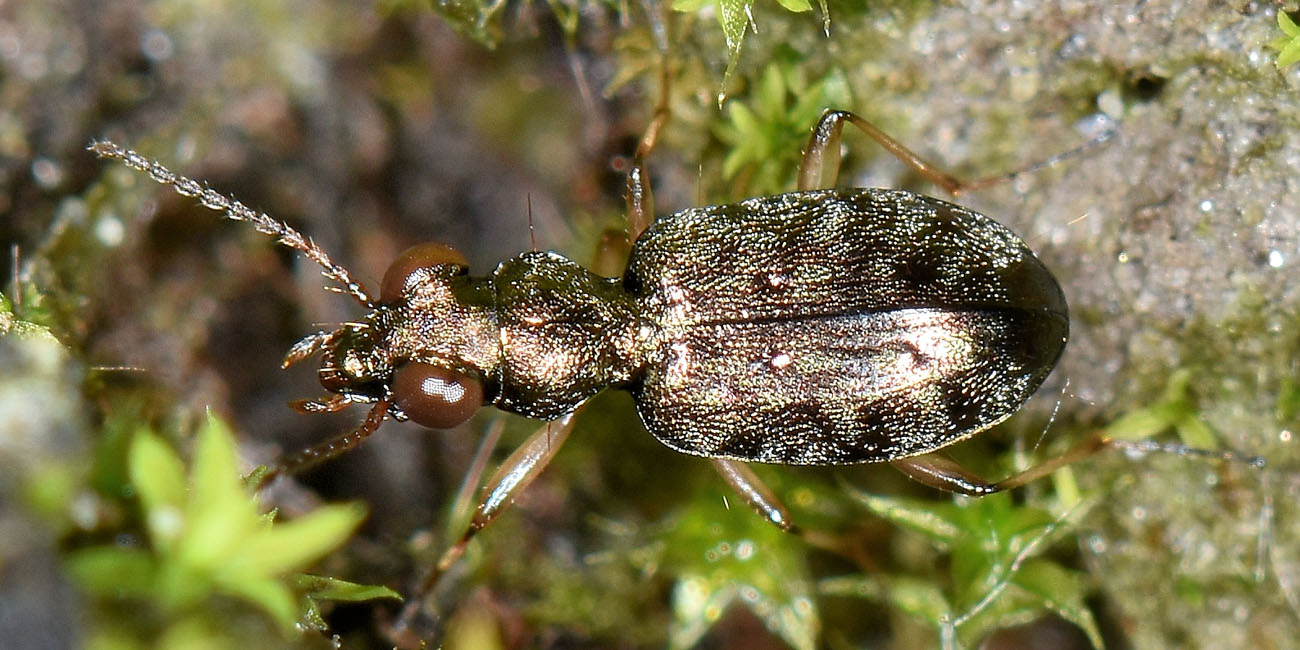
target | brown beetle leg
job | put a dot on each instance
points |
(511, 478)
(514, 475)
(640, 198)
(943, 473)
(821, 159)
(320, 453)
(820, 167)
(760, 497)
(757, 494)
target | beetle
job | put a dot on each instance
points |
(817, 327)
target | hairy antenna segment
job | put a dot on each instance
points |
(237, 211)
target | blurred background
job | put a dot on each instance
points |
(500, 127)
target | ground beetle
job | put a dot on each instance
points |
(816, 327)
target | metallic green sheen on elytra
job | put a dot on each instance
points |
(821, 327)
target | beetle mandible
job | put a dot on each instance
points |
(817, 327)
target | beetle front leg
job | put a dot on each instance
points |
(313, 456)
(511, 478)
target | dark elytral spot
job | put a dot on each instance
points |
(739, 446)
(964, 411)
(919, 270)
(919, 358)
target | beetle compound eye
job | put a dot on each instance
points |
(435, 397)
(415, 258)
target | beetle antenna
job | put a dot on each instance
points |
(237, 211)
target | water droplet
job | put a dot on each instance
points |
(1097, 544)
(47, 173)
(109, 230)
(157, 45)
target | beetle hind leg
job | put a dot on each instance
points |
(821, 158)
(820, 166)
(943, 473)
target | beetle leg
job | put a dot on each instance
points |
(320, 453)
(760, 497)
(746, 483)
(821, 158)
(943, 473)
(511, 478)
(612, 255)
(640, 198)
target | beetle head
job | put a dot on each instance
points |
(379, 360)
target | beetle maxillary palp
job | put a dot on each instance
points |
(332, 449)
(309, 345)
(331, 404)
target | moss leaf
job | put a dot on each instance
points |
(1287, 25)
(937, 522)
(1061, 591)
(1289, 43)
(286, 546)
(327, 588)
(113, 572)
(159, 479)
(730, 556)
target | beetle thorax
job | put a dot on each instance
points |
(565, 334)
